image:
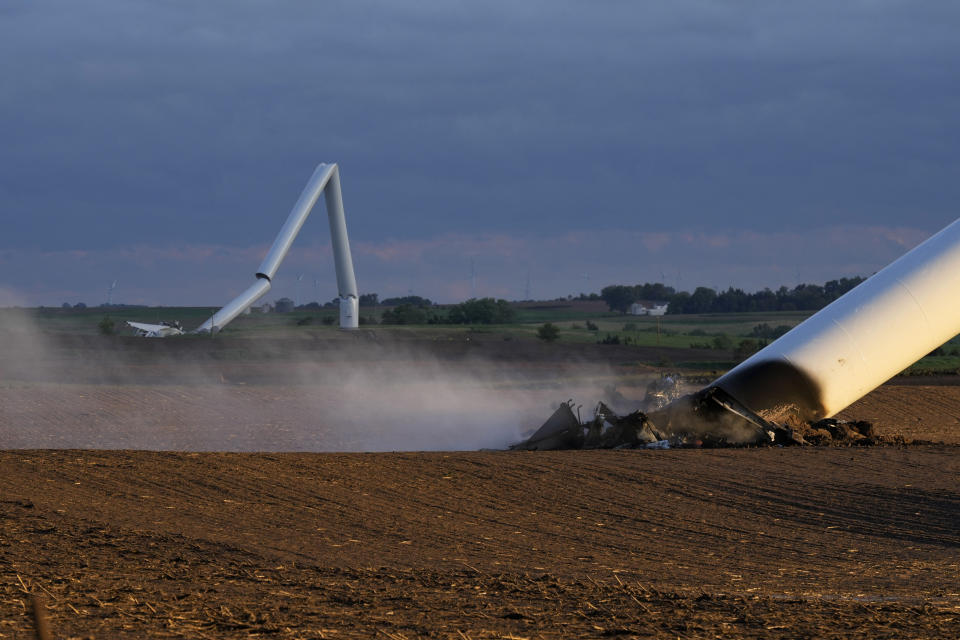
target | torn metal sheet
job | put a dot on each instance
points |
(562, 430)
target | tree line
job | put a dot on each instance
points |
(473, 311)
(417, 310)
(803, 297)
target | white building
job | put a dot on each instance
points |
(648, 308)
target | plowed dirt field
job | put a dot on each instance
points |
(735, 543)
(757, 543)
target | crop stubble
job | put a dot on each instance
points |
(755, 543)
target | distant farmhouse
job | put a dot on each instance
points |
(648, 308)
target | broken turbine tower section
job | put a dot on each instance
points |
(859, 341)
(326, 180)
(788, 392)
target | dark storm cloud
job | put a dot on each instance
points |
(168, 124)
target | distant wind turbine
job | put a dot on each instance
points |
(473, 280)
(113, 286)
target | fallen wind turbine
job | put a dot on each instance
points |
(326, 180)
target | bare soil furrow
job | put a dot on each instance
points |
(530, 544)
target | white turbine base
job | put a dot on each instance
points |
(349, 313)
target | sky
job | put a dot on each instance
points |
(486, 149)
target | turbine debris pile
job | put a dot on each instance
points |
(707, 419)
(607, 430)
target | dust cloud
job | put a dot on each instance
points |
(67, 391)
(25, 352)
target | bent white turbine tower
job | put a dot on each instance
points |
(326, 180)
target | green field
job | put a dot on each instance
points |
(718, 335)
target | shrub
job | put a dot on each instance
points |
(723, 342)
(107, 326)
(284, 305)
(482, 311)
(405, 314)
(548, 332)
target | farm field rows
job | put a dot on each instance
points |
(828, 543)
(222, 538)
